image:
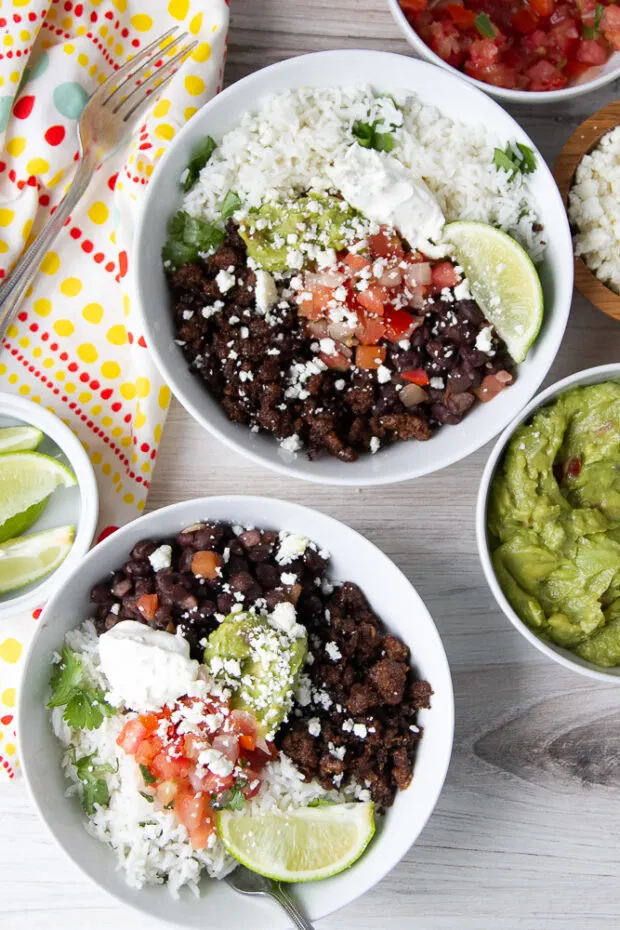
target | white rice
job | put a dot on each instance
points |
(151, 846)
(294, 137)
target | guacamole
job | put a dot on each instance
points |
(260, 663)
(554, 522)
(279, 228)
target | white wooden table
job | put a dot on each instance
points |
(525, 835)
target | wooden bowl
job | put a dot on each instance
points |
(581, 143)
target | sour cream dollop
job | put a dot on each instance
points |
(384, 190)
(146, 668)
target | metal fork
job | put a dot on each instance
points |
(247, 882)
(105, 121)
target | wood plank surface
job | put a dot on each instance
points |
(525, 835)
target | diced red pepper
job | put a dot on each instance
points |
(462, 17)
(543, 7)
(373, 299)
(370, 357)
(386, 244)
(416, 376)
(398, 324)
(147, 604)
(525, 20)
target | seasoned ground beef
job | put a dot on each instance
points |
(262, 368)
(358, 719)
(354, 719)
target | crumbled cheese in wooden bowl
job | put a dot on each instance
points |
(594, 210)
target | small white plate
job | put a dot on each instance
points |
(78, 505)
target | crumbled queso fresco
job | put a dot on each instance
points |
(594, 210)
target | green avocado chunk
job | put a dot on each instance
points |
(554, 522)
(259, 663)
(316, 218)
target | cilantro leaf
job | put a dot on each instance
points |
(232, 800)
(94, 786)
(230, 205)
(384, 141)
(368, 137)
(66, 677)
(149, 779)
(187, 237)
(86, 709)
(319, 802)
(515, 158)
(200, 156)
(527, 163)
(484, 26)
(503, 160)
(147, 797)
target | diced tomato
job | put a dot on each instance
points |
(545, 76)
(444, 275)
(574, 69)
(228, 745)
(413, 6)
(211, 783)
(446, 42)
(398, 324)
(150, 722)
(483, 53)
(200, 836)
(462, 17)
(525, 20)
(592, 52)
(131, 736)
(386, 244)
(573, 467)
(373, 299)
(543, 7)
(251, 789)
(370, 357)
(356, 262)
(147, 604)
(416, 376)
(246, 741)
(164, 766)
(371, 329)
(147, 750)
(610, 25)
(192, 809)
(338, 361)
(166, 792)
(321, 296)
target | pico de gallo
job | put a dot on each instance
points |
(534, 45)
(216, 765)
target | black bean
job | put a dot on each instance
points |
(101, 594)
(245, 584)
(121, 585)
(315, 562)
(143, 550)
(441, 413)
(268, 575)
(235, 547)
(459, 380)
(225, 603)
(277, 596)
(237, 564)
(260, 553)
(470, 311)
(111, 620)
(185, 559)
(136, 569)
(144, 586)
(249, 538)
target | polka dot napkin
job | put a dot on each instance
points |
(76, 346)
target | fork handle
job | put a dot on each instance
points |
(290, 907)
(27, 267)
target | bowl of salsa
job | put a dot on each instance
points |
(521, 50)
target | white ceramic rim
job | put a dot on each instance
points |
(381, 562)
(563, 656)
(501, 93)
(291, 470)
(35, 415)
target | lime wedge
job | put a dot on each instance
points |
(19, 439)
(302, 845)
(503, 281)
(29, 558)
(26, 481)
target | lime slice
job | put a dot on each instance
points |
(29, 558)
(26, 481)
(503, 281)
(302, 845)
(19, 439)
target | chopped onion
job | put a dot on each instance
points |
(504, 377)
(416, 298)
(413, 394)
(391, 278)
(317, 328)
(341, 332)
(324, 278)
(419, 275)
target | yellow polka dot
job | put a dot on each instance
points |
(160, 152)
(141, 22)
(10, 650)
(50, 264)
(98, 213)
(110, 370)
(143, 386)
(82, 59)
(24, 342)
(113, 237)
(6, 216)
(140, 505)
(121, 5)
(117, 335)
(12, 379)
(110, 41)
(202, 52)
(8, 40)
(84, 397)
(96, 410)
(87, 352)
(37, 166)
(116, 477)
(60, 376)
(101, 78)
(93, 313)
(37, 352)
(14, 77)
(2, 368)
(134, 457)
(12, 331)
(9, 748)
(3, 246)
(48, 363)
(96, 458)
(103, 31)
(128, 390)
(68, 47)
(128, 499)
(8, 697)
(71, 287)
(161, 108)
(117, 431)
(195, 24)
(145, 467)
(16, 146)
(107, 422)
(57, 177)
(106, 469)
(64, 327)
(164, 131)
(157, 432)
(194, 85)
(188, 112)
(125, 441)
(178, 8)
(24, 35)
(140, 420)
(24, 390)
(119, 49)
(93, 69)
(164, 396)
(149, 170)
(140, 165)
(42, 306)
(126, 305)
(26, 229)
(69, 387)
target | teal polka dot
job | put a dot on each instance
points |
(70, 99)
(5, 109)
(40, 66)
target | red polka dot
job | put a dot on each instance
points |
(122, 263)
(12, 175)
(87, 245)
(135, 43)
(75, 233)
(55, 135)
(116, 407)
(54, 346)
(109, 266)
(93, 17)
(79, 9)
(98, 256)
(9, 54)
(95, 385)
(107, 393)
(141, 342)
(112, 181)
(72, 367)
(44, 200)
(17, 18)
(109, 15)
(2, 22)
(6, 719)
(32, 17)
(32, 181)
(2, 166)
(84, 377)
(23, 107)
(106, 532)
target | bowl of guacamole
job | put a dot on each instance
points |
(548, 522)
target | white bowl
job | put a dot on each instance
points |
(597, 77)
(388, 73)
(78, 506)
(557, 653)
(397, 603)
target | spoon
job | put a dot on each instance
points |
(247, 882)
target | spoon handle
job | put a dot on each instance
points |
(290, 907)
